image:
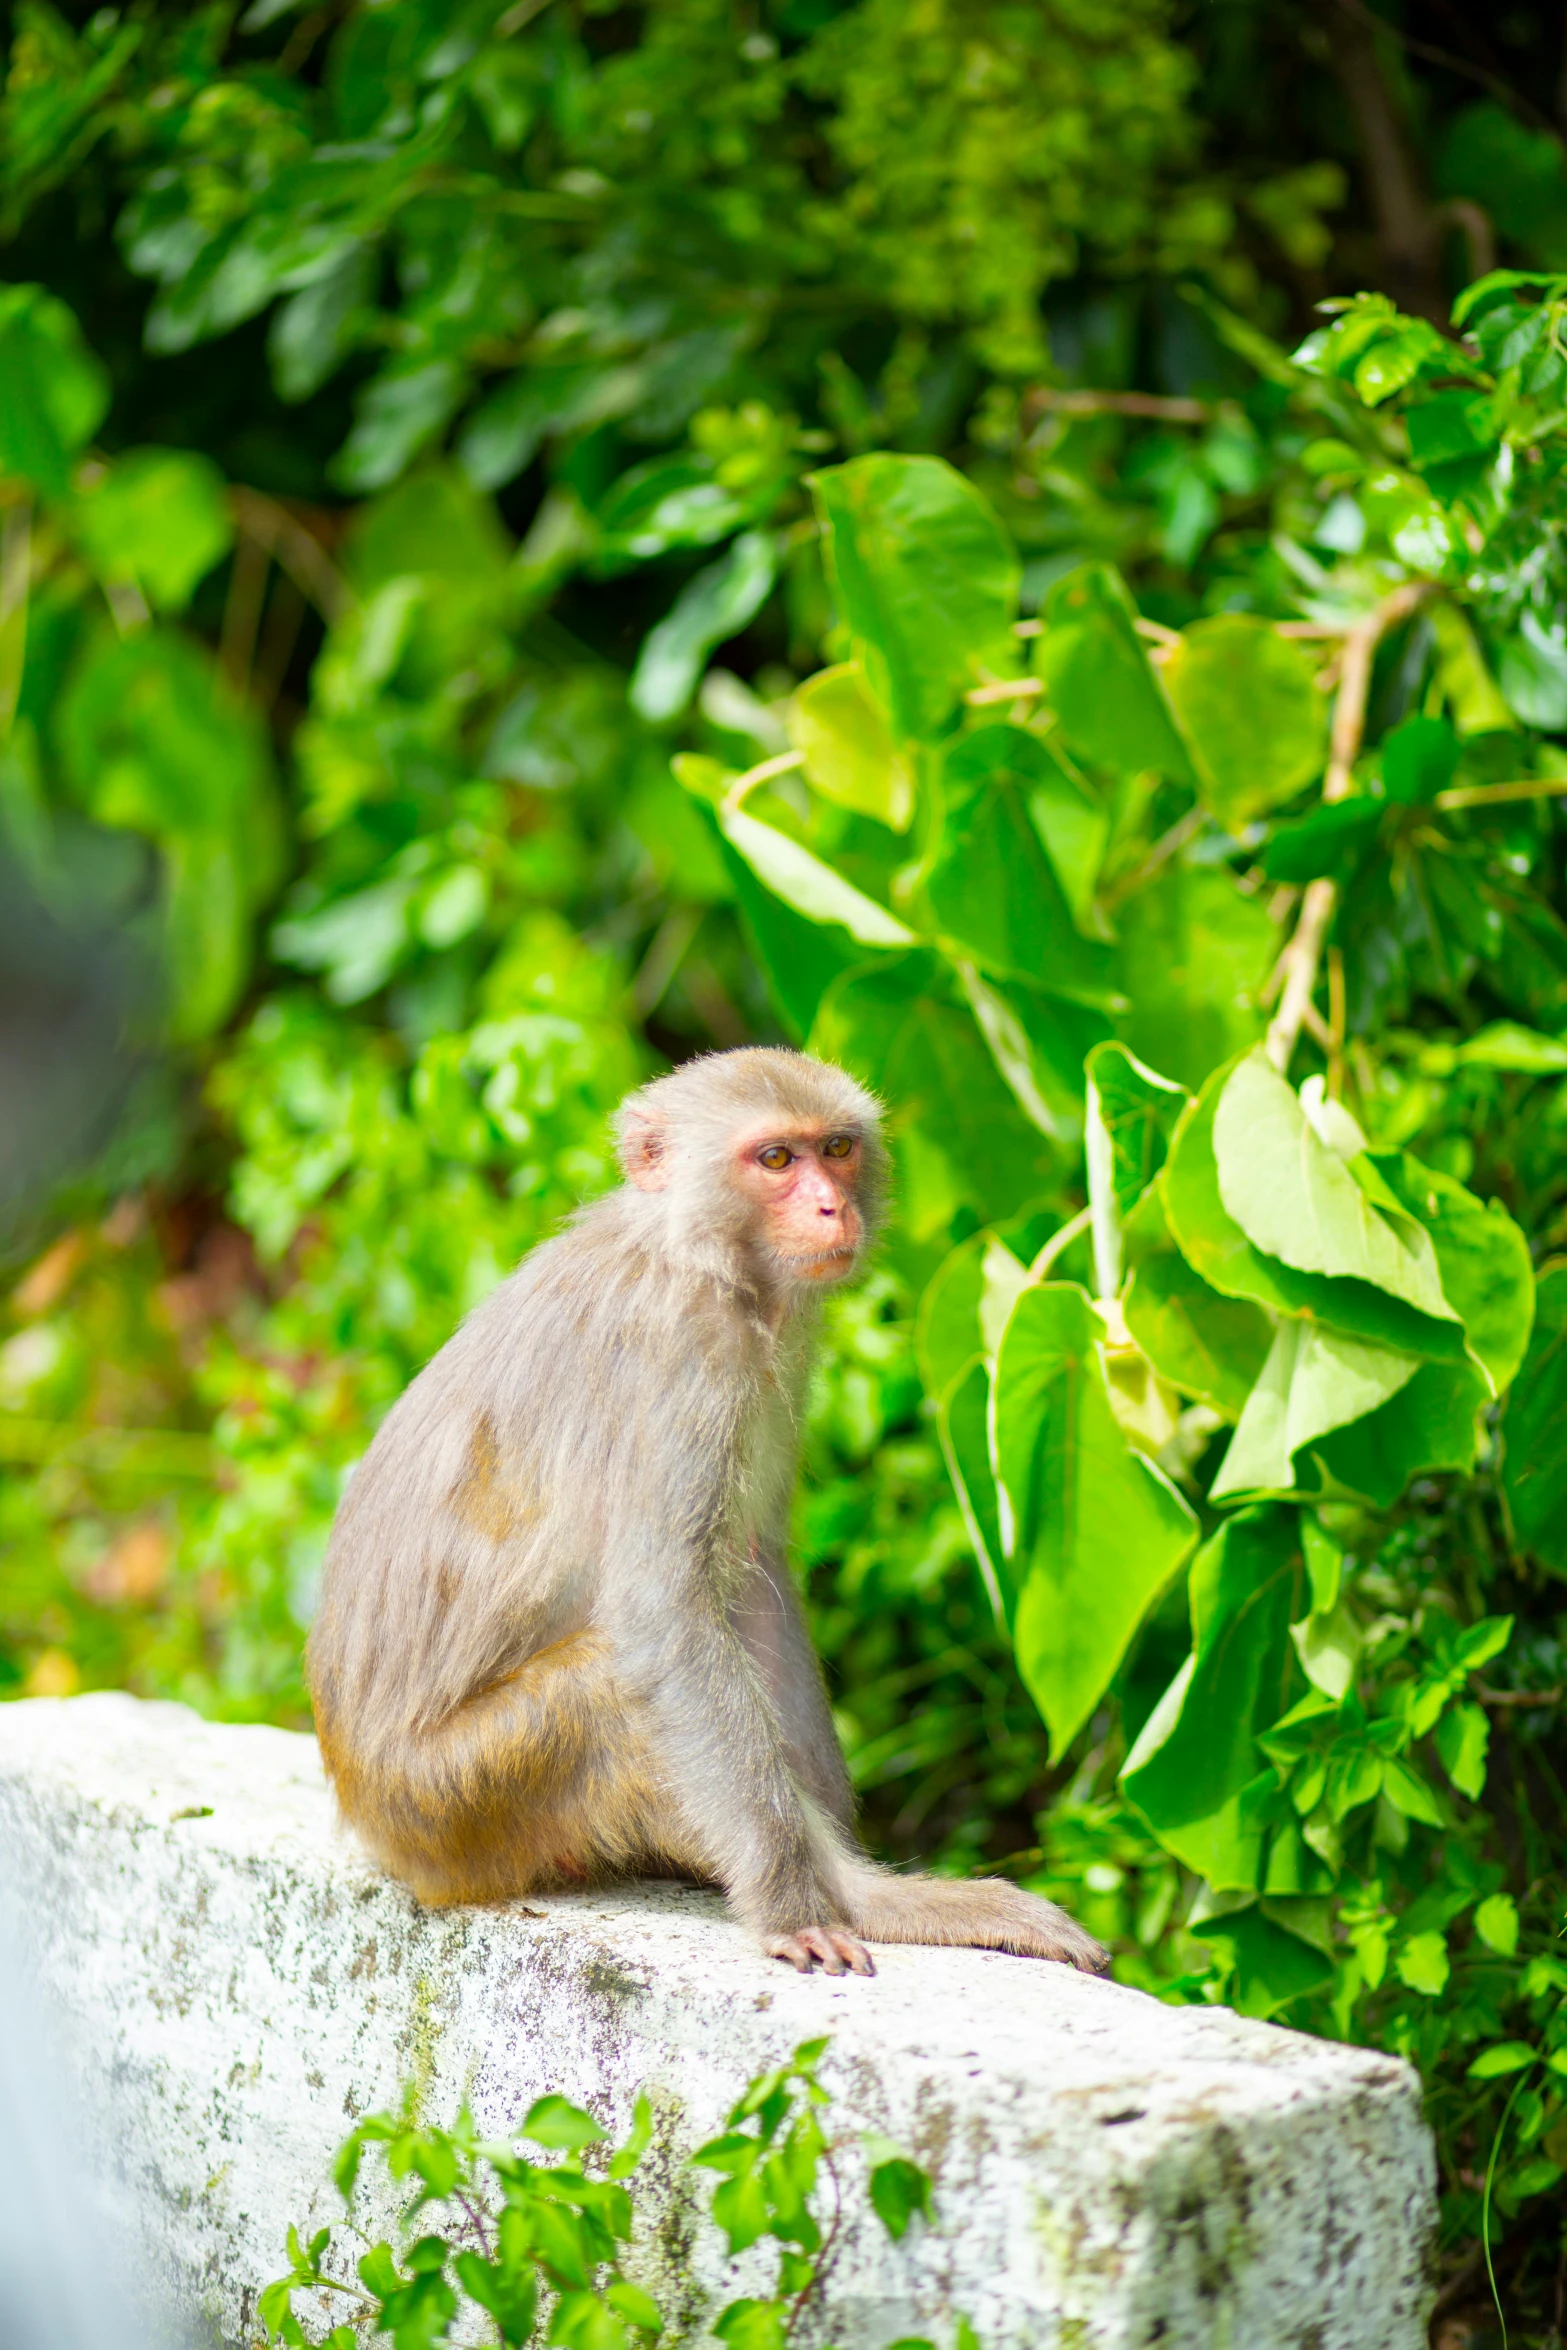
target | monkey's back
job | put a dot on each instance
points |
(594, 1390)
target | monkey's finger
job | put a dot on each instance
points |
(823, 1946)
(793, 1948)
(854, 1953)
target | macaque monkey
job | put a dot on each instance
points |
(558, 1640)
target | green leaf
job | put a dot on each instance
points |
(1207, 1345)
(1198, 1749)
(1418, 759)
(842, 733)
(1432, 1423)
(1501, 2058)
(925, 579)
(635, 2304)
(1100, 682)
(1038, 1043)
(753, 2325)
(156, 517)
(963, 1423)
(1137, 1111)
(1094, 1531)
(1423, 1964)
(510, 2295)
(1271, 1964)
(1496, 1921)
(1327, 844)
(1214, 1244)
(899, 2190)
(806, 883)
(991, 888)
(1482, 1260)
(712, 607)
(1313, 1380)
(1462, 1736)
(552, 2121)
(1534, 1430)
(1193, 955)
(56, 391)
(958, 1137)
(399, 412)
(1410, 1794)
(740, 2209)
(947, 1330)
(1297, 1202)
(1249, 705)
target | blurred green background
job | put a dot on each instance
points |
(405, 415)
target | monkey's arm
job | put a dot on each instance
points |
(719, 1752)
(770, 1622)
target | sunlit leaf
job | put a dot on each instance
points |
(1250, 708)
(850, 755)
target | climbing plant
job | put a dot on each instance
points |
(1081, 893)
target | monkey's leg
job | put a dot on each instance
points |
(983, 1913)
(768, 1620)
(534, 1782)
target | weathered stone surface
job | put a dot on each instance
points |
(237, 1985)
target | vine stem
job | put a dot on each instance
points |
(1298, 965)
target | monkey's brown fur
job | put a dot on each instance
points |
(558, 1639)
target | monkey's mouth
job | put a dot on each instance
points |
(820, 1264)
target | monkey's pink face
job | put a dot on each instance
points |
(805, 1185)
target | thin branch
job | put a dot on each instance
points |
(1304, 952)
(1059, 1242)
(242, 610)
(1014, 689)
(1046, 402)
(1521, 1697)
(1337, 1003)
(1156, 632)
(1498, 795)
(1164, 848)
(295, 550)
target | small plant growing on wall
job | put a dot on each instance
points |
(533, 2248)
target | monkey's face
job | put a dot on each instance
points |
(803, 1184)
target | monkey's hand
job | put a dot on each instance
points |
(1007, 1918)
(826, 1946)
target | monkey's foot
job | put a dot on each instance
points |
(825, 1946)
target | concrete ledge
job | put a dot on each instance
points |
(237, 1985)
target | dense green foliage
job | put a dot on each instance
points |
(524, 2243)
(421, 426)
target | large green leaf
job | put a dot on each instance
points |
(1432, 1423)
(1296, 1200)
(1482, 1257)
(959, 1138)
(1214, 1244)
(1092, 1529)
(947, 1331)
(1193, 955)
(1198, 1749)
(1313, 1380)
(926, 582)
(1101, 684)
(53, 392)
(805, 882)
(1534, 1430)
(1038, 1043)
(841, 731)
(963, 1421)
(992, 889)
(1207, 1345)
(1131, 1114)
(1247, 700)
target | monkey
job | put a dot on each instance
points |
(559, 1641)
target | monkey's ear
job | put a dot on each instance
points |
(642, 1154)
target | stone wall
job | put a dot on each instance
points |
(236, 1985)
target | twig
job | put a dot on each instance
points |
(1059, 1242)
(1164, 848)
(1156, 632)
(1046, 402)
(1336, 1017)
(1013, 689)
(1304, 952)
(1521, 1697)
(295, 550)
(242, 610)
(1498, 795)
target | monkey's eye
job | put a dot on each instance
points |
(837, 1146)
(775, 1156)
